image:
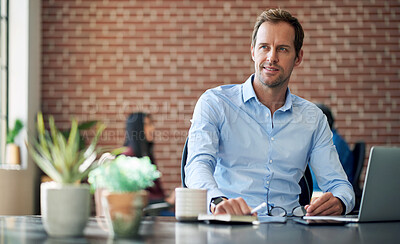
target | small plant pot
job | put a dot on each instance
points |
(65, 208)
(124, 212)
(12, 154)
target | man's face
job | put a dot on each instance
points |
(274, 54)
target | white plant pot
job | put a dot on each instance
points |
(65, 208)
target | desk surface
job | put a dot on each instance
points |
(29, 229)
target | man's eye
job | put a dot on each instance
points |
(282, 49)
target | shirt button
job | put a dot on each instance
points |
(270, 161)
(272, 139)
(267, 182)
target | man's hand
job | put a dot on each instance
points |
(326, 204)
(234, 206)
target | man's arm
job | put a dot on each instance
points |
(330, 175)
(203, 147)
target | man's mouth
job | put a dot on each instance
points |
(269, 68)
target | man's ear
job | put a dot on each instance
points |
(252, 52)
(299, 58)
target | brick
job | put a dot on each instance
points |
(106, 59)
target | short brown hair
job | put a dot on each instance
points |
(276, 16)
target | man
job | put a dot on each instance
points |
(250, 143)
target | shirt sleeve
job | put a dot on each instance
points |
(324, 161)
(203, 146)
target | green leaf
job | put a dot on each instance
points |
(41, 133)
(87, 125)
(73, 133)
(43, 163)
(53, 131)
(92, 147)
(58, 158)
(15, 131)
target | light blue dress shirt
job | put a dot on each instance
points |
(237, 150)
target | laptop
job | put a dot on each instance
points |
(380, 200)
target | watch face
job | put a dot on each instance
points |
(217, 200)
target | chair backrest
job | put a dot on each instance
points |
(183, 162)
(305, 183)
(359, 156)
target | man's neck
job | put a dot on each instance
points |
(273, 98)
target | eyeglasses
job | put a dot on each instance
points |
(298, 211)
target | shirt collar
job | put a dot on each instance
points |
(248, 93)
(248, 90)
(288, 101)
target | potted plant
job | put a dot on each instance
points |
(12, 149)
(123, 181)
(65, 203)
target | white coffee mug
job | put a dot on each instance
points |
(189, 203)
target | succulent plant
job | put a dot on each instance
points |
(59, 157)
(11, 134)
(124, 174)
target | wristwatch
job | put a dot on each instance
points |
(215, 201)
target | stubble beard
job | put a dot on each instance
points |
(278, 82)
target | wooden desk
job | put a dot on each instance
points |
(29, 229)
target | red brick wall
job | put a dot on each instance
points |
(105, 59)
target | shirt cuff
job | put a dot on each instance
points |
(345, 206)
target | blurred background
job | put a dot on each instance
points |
(103, 59)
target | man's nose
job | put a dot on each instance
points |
(272, 57)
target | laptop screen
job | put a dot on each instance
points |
(381, 193)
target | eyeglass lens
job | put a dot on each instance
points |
(277, 211)
(299, 211)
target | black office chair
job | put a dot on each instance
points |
(183, 162)
(305, 183)
(359, 157)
